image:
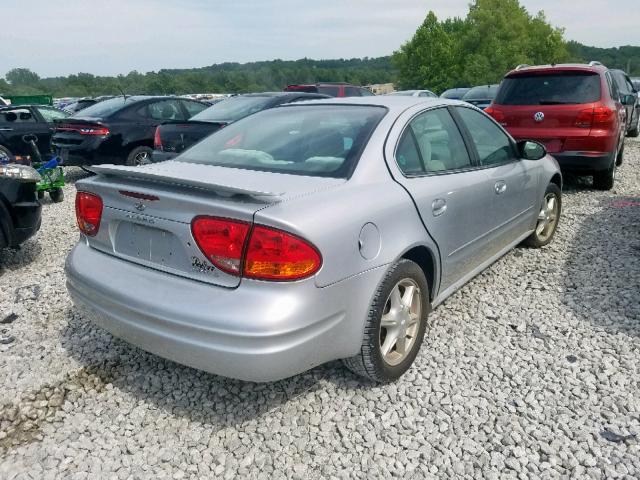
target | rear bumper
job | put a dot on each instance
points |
(584, 162)
(260, 331)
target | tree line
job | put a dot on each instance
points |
(494, 37)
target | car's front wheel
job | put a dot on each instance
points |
(395, 326)
(548, 218)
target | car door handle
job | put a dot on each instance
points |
(6, 129)
(500, 187)
(438, 207)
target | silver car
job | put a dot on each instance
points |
(306, 233)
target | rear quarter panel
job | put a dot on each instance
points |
(333, 221)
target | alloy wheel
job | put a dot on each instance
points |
(141, 158)
(548, 217)
(400, 322)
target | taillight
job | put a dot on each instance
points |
(222, 241)
(596, 117)
(88, 213)
(498, 115)
(260, 252)
(603, 117)
(99, 130)
(585, 118)
(277, 255)
(157, 141)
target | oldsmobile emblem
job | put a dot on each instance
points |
(538, 117)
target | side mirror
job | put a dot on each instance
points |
(628, 99)
(530, 150)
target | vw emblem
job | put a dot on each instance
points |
(140, 206)
(538, 117)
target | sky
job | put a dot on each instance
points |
(118, 36)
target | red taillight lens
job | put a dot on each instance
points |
(98, 130)
(496, 114)
(88, 213)
(157, 141)
(596, 117)
(603, 117)
(270, 254)
(277, 255)
(585, 118)
(221, 240)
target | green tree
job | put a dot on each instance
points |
(430, 59)
(496, 36)
(22, 77)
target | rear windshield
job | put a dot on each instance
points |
(105, 108)
(233, 109)
(481, 93)
(319, 140)
(454, 93)
(557, 89)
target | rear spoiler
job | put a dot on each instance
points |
(163, 175)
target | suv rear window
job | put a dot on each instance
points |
(319, 140)
(330, 90)
(551, 89)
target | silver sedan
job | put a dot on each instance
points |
(306, 233)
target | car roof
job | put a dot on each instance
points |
(578, 67)
(282, 94)
(394, 103)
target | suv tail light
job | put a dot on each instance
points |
(260, 252)
(595, 117)
(82, 129)
(157, 141)
(498, 115)
(88, 213)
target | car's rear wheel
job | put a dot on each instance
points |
(620, 156)
(395, 326)
(139, 156)
(604, 180)
(4, 151)
(634, 132)
(548, 218)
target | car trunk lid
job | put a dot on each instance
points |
(148, 210)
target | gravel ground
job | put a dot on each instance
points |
(530, 371)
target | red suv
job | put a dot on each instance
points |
(331, 89)
(574, 110)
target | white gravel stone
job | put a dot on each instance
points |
(522, 371)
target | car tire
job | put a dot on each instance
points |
(139, 156)
(405, 319)
(5, 151)
(548, 218)
(40, 194)
(604, 180)
(620, 156)
(57, 195)
(634, 132)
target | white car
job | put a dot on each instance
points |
(415, 93)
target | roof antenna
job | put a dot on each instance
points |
(122, 92)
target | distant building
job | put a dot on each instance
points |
(381, 88)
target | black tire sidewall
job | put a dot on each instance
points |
(534, 240)
(401, 270)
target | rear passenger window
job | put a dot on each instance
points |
(492, 144)
(165, 110)
(352, 92)
(407, 155)
(193, 107)
(439, 143)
